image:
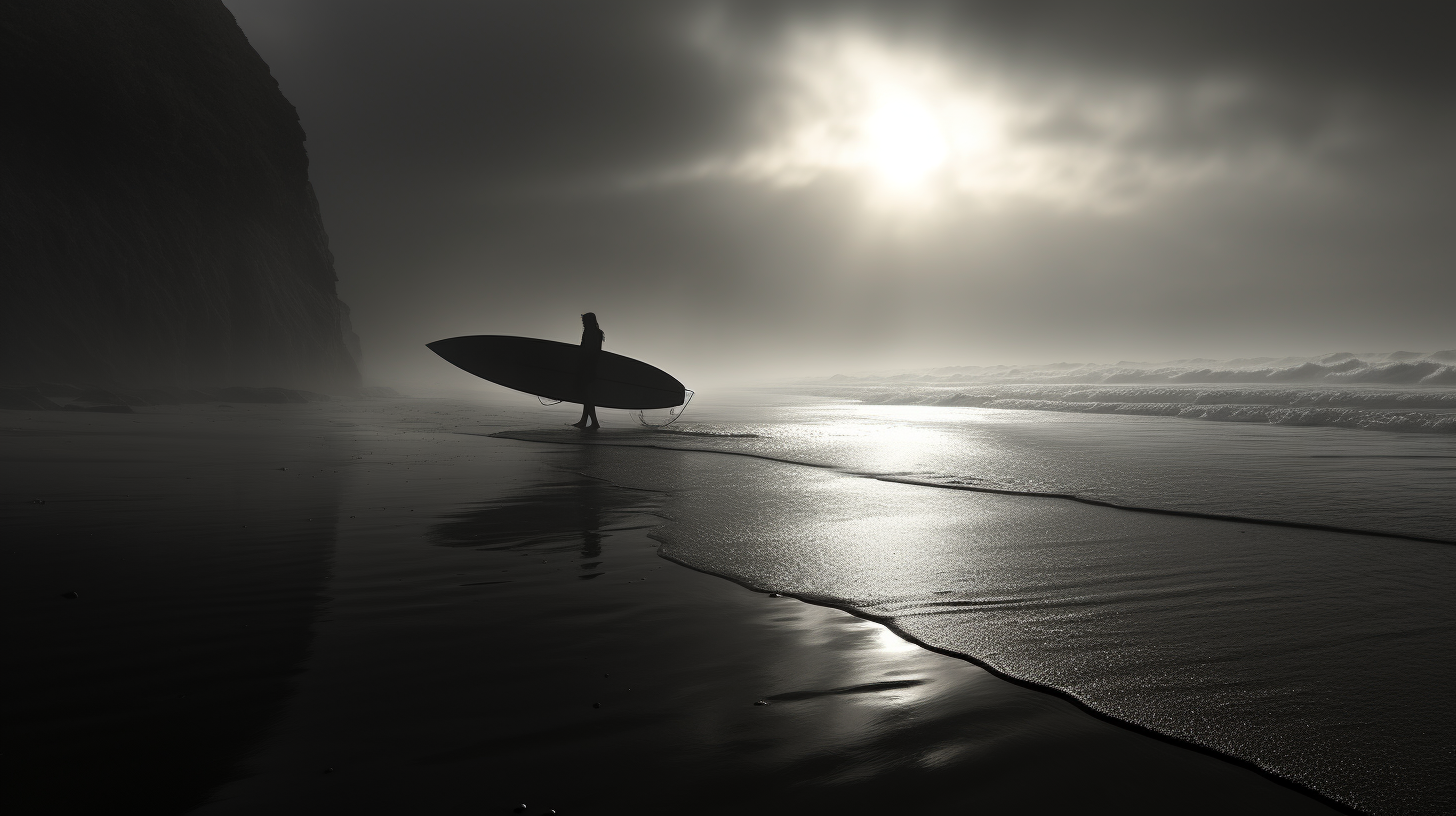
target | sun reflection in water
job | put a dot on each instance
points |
(887, 641)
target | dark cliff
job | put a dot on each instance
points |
(157, 225)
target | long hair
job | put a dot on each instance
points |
(589, 322)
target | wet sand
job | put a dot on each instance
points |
(411, 619)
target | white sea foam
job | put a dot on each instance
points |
(1368, 368)
(1397, 391)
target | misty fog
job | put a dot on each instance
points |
(745, 193)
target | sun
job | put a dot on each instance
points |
(910, 130)
(902, 144)
(897, 123)
(925, 135)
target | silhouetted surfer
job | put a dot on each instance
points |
(586, 369)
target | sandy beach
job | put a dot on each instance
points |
(346, 607)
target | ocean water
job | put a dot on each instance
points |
(1382, 482)
(1401, 391)
(1410, 410)
(1280, 594)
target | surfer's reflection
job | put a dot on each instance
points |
(592, 338)
(557, 515)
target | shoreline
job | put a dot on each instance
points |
(1072, 497)
(1081, 705)
(409, 665)
(1070, 599)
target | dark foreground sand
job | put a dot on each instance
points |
(412, 620)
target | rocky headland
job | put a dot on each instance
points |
(159, 236)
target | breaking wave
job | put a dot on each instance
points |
(1392, 368)
(1338, 390)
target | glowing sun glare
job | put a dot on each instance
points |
(903, 144)
(920, 133)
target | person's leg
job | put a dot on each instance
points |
(591, 411)
(586, 411)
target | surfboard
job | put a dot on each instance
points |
(548, 369)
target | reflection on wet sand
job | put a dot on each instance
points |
(491, 675)
(552, 517)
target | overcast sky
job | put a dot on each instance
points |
(762, 189)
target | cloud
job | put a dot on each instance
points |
(1225, 178)
(537, 95)
(1048, 102)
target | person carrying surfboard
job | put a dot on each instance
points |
(566, 372)
(592, 338)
